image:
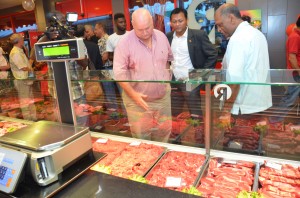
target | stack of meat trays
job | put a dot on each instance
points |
(241, 139)
(277, 142)
(176, 170)
(224, 178)
(127, 160)
(278, 180)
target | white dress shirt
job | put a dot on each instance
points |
(182, 61)
(247, 60)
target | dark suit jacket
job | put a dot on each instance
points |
(94, 54)
(202, 52)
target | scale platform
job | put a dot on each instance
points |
(43, 136)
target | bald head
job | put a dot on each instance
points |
(142, 24)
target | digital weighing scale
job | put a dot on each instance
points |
(48, 147)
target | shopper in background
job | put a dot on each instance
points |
(292, 93)
(147, 104)
(102, 36)
(94, 57)
(246, 60)
(120, 27)
(89, 34)
(4, 64)
(20, 67)
(192, 50)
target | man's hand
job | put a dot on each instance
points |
(139, 99)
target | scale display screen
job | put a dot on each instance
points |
(56, 51)
(60, 50)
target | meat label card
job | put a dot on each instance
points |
(135, 143)
(173, 182)
(102, 140)
(274, 165)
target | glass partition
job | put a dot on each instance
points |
(182, 112)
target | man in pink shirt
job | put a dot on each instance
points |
(143, 55)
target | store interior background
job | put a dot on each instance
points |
(276, 16)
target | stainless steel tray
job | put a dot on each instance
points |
(220, 160)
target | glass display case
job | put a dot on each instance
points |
(214, 132)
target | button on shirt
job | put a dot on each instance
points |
(133, 60)
(247, 60)
(182, 62)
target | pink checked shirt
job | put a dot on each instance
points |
(134, 61)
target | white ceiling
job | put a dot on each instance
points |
(9, 3)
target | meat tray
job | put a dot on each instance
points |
(213, 178)
(129, 161)
(279, 180)
(251, 143)
(176, 165)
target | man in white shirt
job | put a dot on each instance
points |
(246, 60)
(192, 50)
(20, 67)
(120, 25)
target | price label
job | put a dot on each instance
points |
(102, 140)
(235, 145)
(261, 123)
(229, 161)
(127, 124)
(274, 165)
(112, 109)
(295, 127)
(173, 182)
(135, 143)
(273, 146)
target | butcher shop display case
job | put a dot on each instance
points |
(202, 152)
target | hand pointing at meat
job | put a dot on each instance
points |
(138, 98)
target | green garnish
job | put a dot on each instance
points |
(138, 178)
(193, 122)
(11, 129)
(192, 190)
(245, 194)
(104, 169)
(261, 128)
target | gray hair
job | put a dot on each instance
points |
(15, 38)
(229, 8)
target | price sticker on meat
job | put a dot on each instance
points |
(173, 182)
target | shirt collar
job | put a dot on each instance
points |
(185, 34)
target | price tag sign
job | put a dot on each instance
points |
(261, 123)
(173, 182)
(229, 161)
(274, 165)
(295, 127)
(135, 143)
(102, 140)
(273, 146)
(112, 109)
(235, 145)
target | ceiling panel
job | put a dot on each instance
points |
(9, 3)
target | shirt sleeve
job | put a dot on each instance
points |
(109, 45)
(121, 62)
(293, 46)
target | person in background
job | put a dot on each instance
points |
(89, 34)
(20, 67)
(4, 64)
(292, 93)
(120, 27)
(94, 57)
(102, 36)
(192, 50)
(246, 60)
(147, 58)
